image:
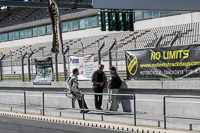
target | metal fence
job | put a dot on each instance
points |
(83, 108)
(23, 105)
(165, 110)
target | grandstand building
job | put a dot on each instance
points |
(29, 29)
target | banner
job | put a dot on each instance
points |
(84, 64)
(44, 71)
(57, 44)
(171, 62)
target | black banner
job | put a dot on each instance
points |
(44, 71)
(57, 44)
(171, 62)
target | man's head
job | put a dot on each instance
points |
(112, 70)
(101, 67)
(75, 71)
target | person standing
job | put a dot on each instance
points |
(114, 85)
(99, 80)
(75, 90)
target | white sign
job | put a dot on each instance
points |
(84, 64)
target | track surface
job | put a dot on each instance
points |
(18, 125)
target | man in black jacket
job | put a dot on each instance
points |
(114, 84)
(99, 81)
(115, 81)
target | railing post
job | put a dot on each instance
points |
(174, 40)
(83, 106)
(11, 64)
(64, 68)
(22, 61)
(109, 52)
(64, 63)
(157, 43)
(164, 112)
(56, 65)
(29, 67)
(99, 53)
(1, 71)
(82, 48)
(24, 102)
(43, 104)
(134, 110)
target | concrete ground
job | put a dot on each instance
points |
(18, 125)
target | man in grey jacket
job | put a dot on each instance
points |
(75, 90)
(99, 81)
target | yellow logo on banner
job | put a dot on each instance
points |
(132, 64)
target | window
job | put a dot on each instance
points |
(156, 14)
(88, 23)
(138, 15)
(35, 31)
(147, 14)
(82, 23)
(75, 25)
(65, 26)
(41, 30)
(4, 36)
(164, 13)
(28, 33)
(94, 21)
(15, 35)
(49, 29)
(10, 35)
(22, 34)
(175, 13)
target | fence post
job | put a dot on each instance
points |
(43, 103)
(109, 52)
(11, 64)
(83, 106)
(1, 71)
(29, 67)
(157, 43)
(164, 112)
(56, 65)
(64, 63)
(24, 102)
(99, 53)
(174, 40)
(134, 110)
(82, 48)
(22, 61)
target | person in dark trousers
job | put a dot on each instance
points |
(75, 90)
(114, 85)
(99, 80)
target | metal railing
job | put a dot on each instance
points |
(83, 108)
(164, 109)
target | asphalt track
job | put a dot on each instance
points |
(18, 125)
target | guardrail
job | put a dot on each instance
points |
(133, 112)
(83, 108)
(164, 109)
